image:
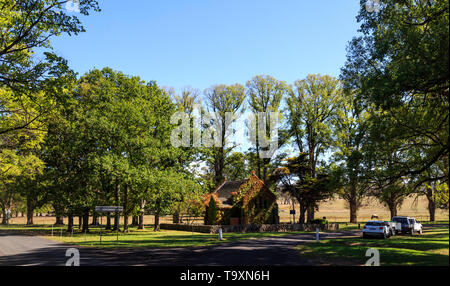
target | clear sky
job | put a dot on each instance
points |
(205, 42)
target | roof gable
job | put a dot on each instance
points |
(224, 191)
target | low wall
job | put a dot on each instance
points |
(250, 228)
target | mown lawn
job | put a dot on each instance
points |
(429, 249)
(136, 238)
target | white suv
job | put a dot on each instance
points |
(376, 228)
(407, 224)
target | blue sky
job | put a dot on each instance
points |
(205, 42)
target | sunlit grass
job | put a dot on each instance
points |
(429, 249)
(137, 238)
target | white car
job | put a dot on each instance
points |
(407, 225)
(376, 228)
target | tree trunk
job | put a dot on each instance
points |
(302, 217)
(85, 227)
(156, 227)
(108, 222)
(353, 212)
(135, 220)
(117, 198)
(70, 223)
(59, 220)
(116, 222)
(431, 205)
(4, 219)
(393, 209)
(141, 221)
(30, 213)
(80, 222)
(141, 215)
(310, 213)
(125, 223)
(125, 209)
(176, 217)
(353, 203)
(95, 219)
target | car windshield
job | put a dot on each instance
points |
(374, 223)
(400, 219)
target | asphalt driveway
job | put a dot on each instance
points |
(19, 249)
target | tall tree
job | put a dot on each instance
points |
(294, 178)
(265, 94)
(400, 63)
(349, 134)
(19, 146)
(313, 110)
(224, 101)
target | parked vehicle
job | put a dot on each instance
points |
(407, 225)
(377, 228)
(392, 226)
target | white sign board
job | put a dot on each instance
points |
(108, 209)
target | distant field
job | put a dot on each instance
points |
(44, 220)
(336, 210)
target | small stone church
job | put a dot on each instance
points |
(246, 201)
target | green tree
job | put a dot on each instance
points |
(400, 63)
(265, 94)
(294, 178)
(212, 212)
(349, 133)
(225, 101)
(26, 28)
(19, 146)
(314, 107)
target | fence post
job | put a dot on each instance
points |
(220, 234)
(317, 234)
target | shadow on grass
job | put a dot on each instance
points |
(419, 250)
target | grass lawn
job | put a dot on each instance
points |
(429, 249)
(136, 238)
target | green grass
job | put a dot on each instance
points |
(429, 249)
(137, 238)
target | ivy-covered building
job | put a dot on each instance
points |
(242, 202)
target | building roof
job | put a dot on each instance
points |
(224, 191)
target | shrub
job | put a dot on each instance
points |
(319, 221)
(212, 212)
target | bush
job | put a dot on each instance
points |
(212, 212)
(319, 221)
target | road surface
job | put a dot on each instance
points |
(19, 249)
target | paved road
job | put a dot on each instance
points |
(19, 249)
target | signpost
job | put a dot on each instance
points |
(109, 209)
(292, 212)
